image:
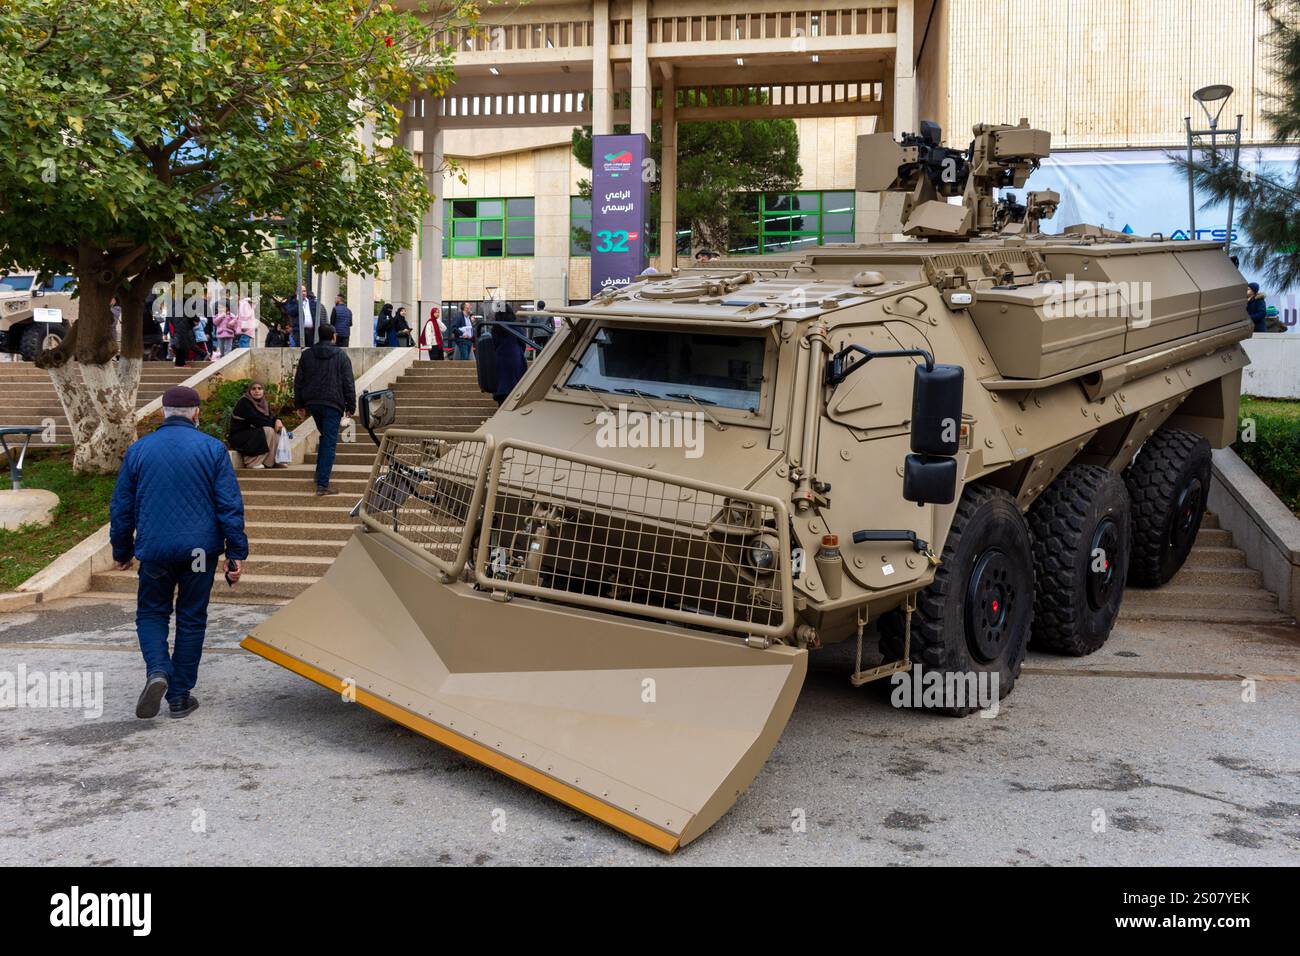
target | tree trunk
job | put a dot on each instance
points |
(96, 386)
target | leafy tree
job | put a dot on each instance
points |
(1269, 210)
(716, 161)
(150, 139)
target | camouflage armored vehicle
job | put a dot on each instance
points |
(34, 313)
(955, 444)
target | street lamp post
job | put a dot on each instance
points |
(1207, 96)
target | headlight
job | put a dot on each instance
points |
(761, 553)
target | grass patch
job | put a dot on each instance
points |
(1268, 440)
(83, 508)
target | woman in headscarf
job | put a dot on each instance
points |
(254, 432)
(509, 353)
(431, 335)
(385, 331)
(402, 328)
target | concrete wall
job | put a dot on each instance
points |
(1261, 525)
(1274, 369)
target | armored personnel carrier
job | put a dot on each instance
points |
(962, 442)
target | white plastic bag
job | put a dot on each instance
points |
(283, 454)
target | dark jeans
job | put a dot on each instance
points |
(462, 348)
(161, 585)
(342, 340)
(309, 337)
(327, 420)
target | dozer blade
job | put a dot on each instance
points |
(651, 728)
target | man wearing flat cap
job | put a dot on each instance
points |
(177, 508)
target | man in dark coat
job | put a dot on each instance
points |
(509, 354)
(306, 315)
(323, 385)
(176, 506)
(1257, 308)
(341, 319)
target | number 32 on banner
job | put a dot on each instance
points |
(612, 241)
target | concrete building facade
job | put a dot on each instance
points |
(1097, 73)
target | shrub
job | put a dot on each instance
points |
(1274, 452)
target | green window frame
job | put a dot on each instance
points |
(488, 228)
(785, 221)
(579, 227)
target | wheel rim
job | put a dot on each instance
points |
(1186, 514)
(1102, 579)
(990, 597)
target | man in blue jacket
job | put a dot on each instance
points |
(341, 319)
(176, 507)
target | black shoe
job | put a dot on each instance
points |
(151, 697)
(320, 492)
(183, 707)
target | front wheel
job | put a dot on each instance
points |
(971, 624)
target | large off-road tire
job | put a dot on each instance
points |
(1080, 527)
(29, 343)
(1168, 484)
(975, 616)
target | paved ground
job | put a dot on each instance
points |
(273, 769)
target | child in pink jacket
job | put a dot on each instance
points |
(224, 324)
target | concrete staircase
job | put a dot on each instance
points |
(295, 536)
(27, 395)
(1213, 586)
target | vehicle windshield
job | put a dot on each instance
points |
(60, 283)
(722, 370)
(16, 283)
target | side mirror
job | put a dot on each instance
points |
(378, 409)
(929, 480)
(936, 409)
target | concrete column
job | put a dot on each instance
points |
(906, 102)
(431, 226)
(642, 88)
(668, 173)
(361, 286)
(550, 224)
(329, 288)
(602, 72)
(402, 286)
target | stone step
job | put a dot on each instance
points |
(1203, 615)
(300, 484)
(1184, 596)
(299, 531)
(250, 585)
(1213, 537)
(277, 546)
(336, 512)
(1210, 520)
(1217, 577)
(1214, 557)
(291, 497)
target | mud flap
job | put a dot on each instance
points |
(651, 728)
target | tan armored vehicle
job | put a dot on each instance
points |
(973, 440)
(34, 313)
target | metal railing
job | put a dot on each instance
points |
(425, 492)
(587, 531)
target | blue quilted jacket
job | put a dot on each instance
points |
(177, 492)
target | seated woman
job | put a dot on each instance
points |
(254, 432)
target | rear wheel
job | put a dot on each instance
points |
(1168, 483)
(1081, 558)
(974, 618)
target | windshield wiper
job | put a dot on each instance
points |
(594, 390)
(641, 395)
(700, 403)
